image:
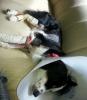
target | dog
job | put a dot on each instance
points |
(52, 37)
(47, 33)
(56, 78)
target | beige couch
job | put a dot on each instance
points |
(15, 63)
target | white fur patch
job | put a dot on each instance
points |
(57, 89)
(11, 12)
(14, 18)
(41, 80)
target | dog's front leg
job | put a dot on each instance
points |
(13, 41)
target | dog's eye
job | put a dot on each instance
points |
(41, 90)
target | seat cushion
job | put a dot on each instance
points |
(15, 63)
(18, 27)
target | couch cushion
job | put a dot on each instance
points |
(15, 63)
(75, 37)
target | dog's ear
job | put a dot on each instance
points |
(71, 81)
(70, 84)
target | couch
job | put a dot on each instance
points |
(16, 63)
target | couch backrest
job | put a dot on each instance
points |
(72, 15)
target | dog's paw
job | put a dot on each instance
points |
(14, 18)
(11, 12)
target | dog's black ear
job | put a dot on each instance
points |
(71, 81)
(70, 84)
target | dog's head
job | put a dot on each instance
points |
(39, 37)
(35, 38)
(54, 80)
(45, 85)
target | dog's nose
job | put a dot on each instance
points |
(36, 92)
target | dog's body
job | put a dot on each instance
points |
(52, 30)
(56, 79)
(47, 34)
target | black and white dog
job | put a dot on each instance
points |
(47, 34)
(56, 79)
(51, 37)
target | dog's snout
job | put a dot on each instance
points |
(36, 92)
